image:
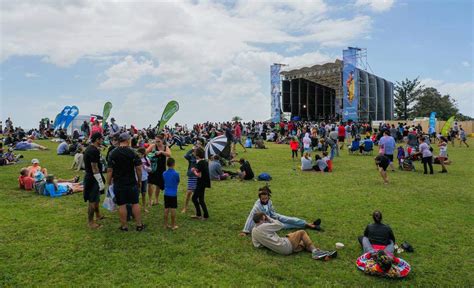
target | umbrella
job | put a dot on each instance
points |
(216, 146)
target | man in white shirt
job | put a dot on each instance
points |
(264, 234)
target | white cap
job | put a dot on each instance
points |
(35, 161)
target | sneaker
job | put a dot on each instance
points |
(317, 222)
(331, 254)
(318, 254)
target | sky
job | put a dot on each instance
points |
(214, 57)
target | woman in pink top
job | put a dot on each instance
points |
(96, 128)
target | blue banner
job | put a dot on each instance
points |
(275, 92)
(73, 112)
(57, 120)
(432, 128)
(350, 78)
(62, 117)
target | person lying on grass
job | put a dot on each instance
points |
(57, 187)
(264, 235)
(264, 204)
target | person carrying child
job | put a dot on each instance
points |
(171, 179)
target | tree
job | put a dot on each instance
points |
(430, 100)
(406, 94)
(236, 118)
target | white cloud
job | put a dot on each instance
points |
(31, 75)
(195, 49)
(376, 5)
(462, 92)
(127, 72)
(466, 64)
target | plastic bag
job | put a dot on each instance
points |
(109, 201)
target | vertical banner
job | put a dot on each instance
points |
(275, 92)
(447, 125)
(350, 82)
(171, 108)
(106, 113)
(432, 128)
(73, 112)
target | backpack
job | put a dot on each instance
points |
(264, 177)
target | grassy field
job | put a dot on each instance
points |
(46, 242)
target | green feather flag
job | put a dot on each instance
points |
(106, 113)
(171, 108)
(446, 126)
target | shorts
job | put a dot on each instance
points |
(390, 157)
(383, 165)
(443, 154)
(144, 186)
(341, 138)
(171, 202)
(192, 183)
(126, 194)
(157, 179)
(91, 189)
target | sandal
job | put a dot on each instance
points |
(141, 227)
(76, 179)
(123, 229)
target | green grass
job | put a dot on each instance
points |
(45, 241)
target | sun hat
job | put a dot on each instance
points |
(35, 161)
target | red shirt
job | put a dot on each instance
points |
(294, 145)
(238, 131)
(26, 182)
(341, 131)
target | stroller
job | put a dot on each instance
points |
(405, 163)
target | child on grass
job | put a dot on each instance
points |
(294, 147)
(146, 168)
(171, 179)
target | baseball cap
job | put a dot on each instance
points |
(96, 136)
(124, 137)
(35, 161)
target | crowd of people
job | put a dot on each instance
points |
(139, 165)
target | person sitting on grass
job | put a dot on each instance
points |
(57, 187)
(25, 181)
(78, 163)
(320, 165)
(35, 168)
(382, 162)
(264, 204)
(264, 235)
(215, 169)
(378, 234)
(367, 145)
(306, 162)
(246, 172)
(63, 147)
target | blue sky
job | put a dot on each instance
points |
(214, 57)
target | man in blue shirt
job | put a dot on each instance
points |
(387, 143)
(63, 147)
(171, 179)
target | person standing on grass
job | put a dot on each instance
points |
(427, 156)
(192, 179)
(388, 145)
(155, 177)
(201, 171)
(146, 168)
(462, 137)
(124, 169)
(264, 235)
(93, 179)
(237, 137)
(341, 135)
(294, 147)
(443, 153)
(171, 178)
(382, 162)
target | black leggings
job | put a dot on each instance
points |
(294, 153)
(429, 161)
(198, 200)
